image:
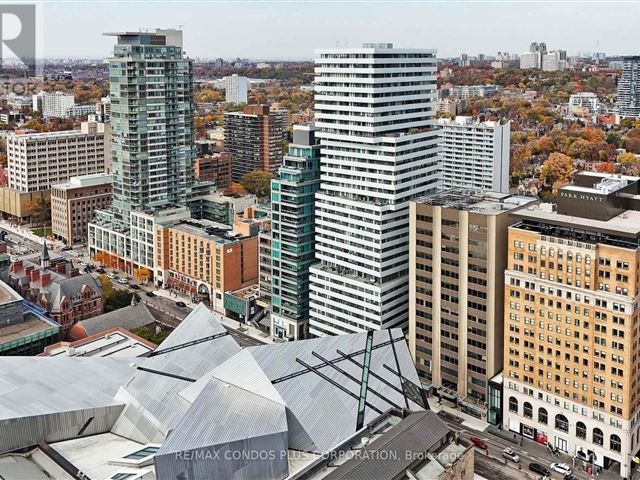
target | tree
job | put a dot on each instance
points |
(581, 148)
(627, 158)
(257, 182)
(557, 170)
(235, 190)
(40, 211)
(627, 122)
(112, 298)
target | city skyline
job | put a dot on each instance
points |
(210, 27)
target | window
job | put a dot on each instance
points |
(513, 404)
(527, 410)
(598, 438)
(581, 430)
(614, 443)
(140, 454)
(562, 423)
(543, 416)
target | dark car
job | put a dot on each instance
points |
(541, 469)
(66, 248)
(135, 287)
(180, 304)
(150, 294)
(101, 270)
(478, 443)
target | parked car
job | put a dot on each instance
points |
(150, 294)
(510, 455)
(180, 304)
(570, 477)
(562, 468)
(541, 469)
(100, 270)
(135, 287)
(122, 281)
(111, 275)
(66, 248)
(478, 443)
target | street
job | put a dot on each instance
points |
(171, 315)
(492, 465)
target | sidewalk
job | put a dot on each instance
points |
(467, 420)
(26, 233)
(247, 330)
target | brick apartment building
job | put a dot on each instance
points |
(73, 205)
(254, 139)
(214, 168)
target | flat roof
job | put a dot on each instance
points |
(8, 294)
(31, 324)
(89, 180)
(628, 222)
(91, 455)
(118, 344)
(201, 228)
(477, 201)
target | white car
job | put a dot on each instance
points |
(111, 275)
(562, 468)
(510, 455)
(122, 281)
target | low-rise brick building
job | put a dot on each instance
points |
(73, 205)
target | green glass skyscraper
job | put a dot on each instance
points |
(152, 116)
(152, 146)
(293, 234)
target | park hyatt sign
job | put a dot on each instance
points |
(582, 196)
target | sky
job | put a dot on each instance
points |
(293, 29)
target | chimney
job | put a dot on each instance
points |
(28, 270)
(61, 267)
(35, 274)
(74, 272)
(16, 266)
(248, 212)
(45, 279)
(3, 247)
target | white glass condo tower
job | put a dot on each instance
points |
(375, 110)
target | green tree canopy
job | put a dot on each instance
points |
(257, 182)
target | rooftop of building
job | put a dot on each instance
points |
(211, 395)
(49, 135)
(476, 201)
(394, 443)
(115, 342)
(32, 324)
(129, 317)
(628, 222)
(90, 180)
(8, 294)
(209, 230)
(466, 121)
(596, 208)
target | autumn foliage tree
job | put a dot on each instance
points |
(627, 158)
(257, 182)
(557, 170)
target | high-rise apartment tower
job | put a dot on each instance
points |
(379, 149)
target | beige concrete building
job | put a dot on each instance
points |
(73, 205)
(38, 160)
(571, 322)
(457, 259)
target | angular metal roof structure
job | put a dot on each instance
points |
(153, 406)
(49, 398)
(200, 393)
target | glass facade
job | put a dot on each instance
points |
(293, 244)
